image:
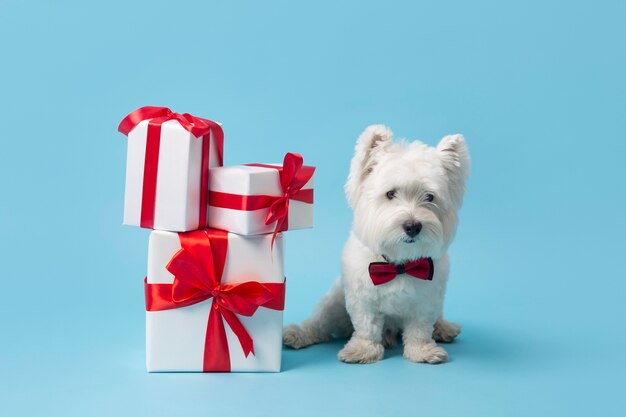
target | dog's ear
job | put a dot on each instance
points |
(374, 139)
(455, 159)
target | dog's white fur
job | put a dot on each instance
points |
(373, 315)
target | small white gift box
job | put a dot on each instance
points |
(167, 169)
(262, 198)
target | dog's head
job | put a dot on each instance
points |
(405, 195)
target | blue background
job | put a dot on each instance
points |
(538, 282)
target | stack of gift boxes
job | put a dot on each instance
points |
(215, 286)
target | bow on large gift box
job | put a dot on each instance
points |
(294, 185)
(150, 172)
(198, 268)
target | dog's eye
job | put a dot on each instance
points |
(391, 194)
(430, 197)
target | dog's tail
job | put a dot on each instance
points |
(329, 319)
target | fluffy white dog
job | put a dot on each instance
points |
(405, 198)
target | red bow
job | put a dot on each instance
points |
(293, 176)
(198, 127)
(383, 272)
(197, 268)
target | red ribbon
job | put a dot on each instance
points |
(293, 176)
(198, 127)
(197, 268)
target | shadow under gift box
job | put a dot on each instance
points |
(178, 179)
(235, 192)
(176, 338)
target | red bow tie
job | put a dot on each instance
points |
(383, 272)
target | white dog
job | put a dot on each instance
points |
(405, 198)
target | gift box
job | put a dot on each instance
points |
(167, 169)
(262, 198)
(214, 302)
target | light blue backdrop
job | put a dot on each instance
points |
(538, 282)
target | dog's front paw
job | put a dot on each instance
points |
(425, 353)
(446, 331)
(361, 351)
(296, 337)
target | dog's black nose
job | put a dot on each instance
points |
(412, 229)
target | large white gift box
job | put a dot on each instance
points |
(262, 198)
(167, 169)
(214, 302)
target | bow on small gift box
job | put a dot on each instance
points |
(197, 268)
(293, 175)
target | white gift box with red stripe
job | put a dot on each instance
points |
(262, 198)
(214, 302)
(167, 168)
